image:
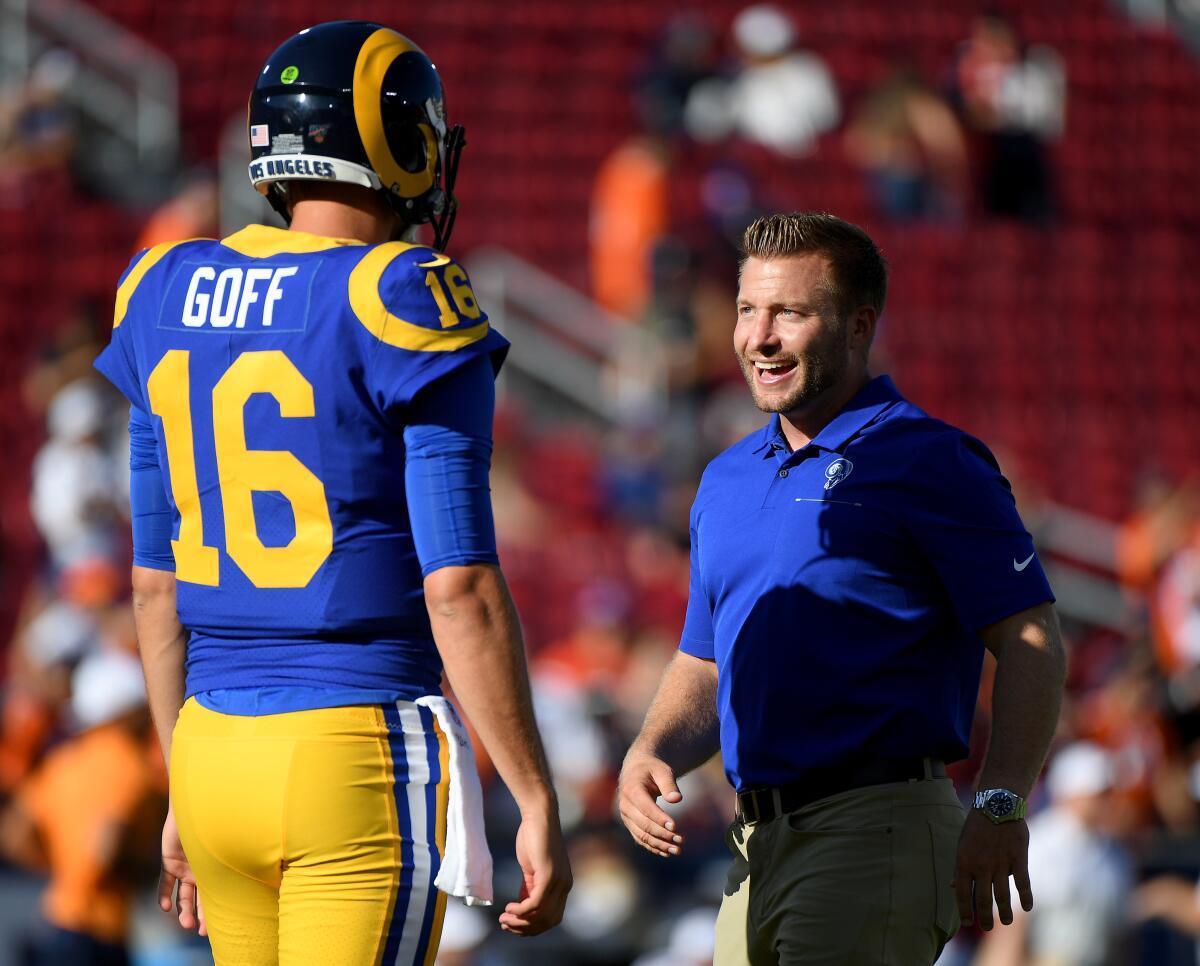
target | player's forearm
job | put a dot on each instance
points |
(682, 727)
(477, 633)
(162, 643)
(1026, 697)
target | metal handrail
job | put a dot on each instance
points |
(607, 365)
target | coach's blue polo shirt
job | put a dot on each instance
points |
(840, 588)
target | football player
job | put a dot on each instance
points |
(310, 427)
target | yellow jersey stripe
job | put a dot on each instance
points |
(125, 292)
(263, 241)
(367, 305)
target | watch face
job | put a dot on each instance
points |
(1000, 804)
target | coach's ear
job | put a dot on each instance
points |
(861, 325)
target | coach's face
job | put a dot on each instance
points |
(793, 346)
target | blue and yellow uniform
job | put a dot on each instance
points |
(310, 431)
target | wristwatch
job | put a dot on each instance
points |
(1000, 805)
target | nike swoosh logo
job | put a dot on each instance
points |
(1018, 567)
(437, 262)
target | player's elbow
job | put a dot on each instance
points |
(150, 585)
(454, 593)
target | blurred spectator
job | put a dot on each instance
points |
(39, 686)
(1171, 898)
(628, 215)
(67, 354)
(605, 901)
(75, 484)
(1163, 521)
(692, 941)
(464, 930)
(1175, 602)
(37, 126)
(684, 56)
(1081, 877)
(912, 148)
(783, 97)
(1125, 715)
(575, 681)
(90, 816)
(1015, 99)
(192, 213)
(634, 473)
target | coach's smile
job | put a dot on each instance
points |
(771, 373)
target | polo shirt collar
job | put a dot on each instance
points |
(865, 407)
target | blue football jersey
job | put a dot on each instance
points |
(277, 368)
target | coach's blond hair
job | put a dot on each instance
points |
(857, 265)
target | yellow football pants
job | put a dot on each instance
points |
(315, 836)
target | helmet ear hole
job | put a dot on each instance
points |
(407, 144)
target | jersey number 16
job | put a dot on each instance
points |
(241, 471)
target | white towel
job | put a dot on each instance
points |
(466, 869)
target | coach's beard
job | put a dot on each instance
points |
(815, 374)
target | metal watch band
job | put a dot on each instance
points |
(1013, 809)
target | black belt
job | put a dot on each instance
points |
(763, 804)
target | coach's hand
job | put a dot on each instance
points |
(644, 779)
(987, 855)
(175, 870)
(547, 876)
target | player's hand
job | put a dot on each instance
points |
(644, 779)
(987, 855)
(176, 871)
(547, 877)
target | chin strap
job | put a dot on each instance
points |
(277, 198)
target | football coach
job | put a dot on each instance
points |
(849, 564)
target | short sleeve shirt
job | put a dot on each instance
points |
(840, 588)
(110, 772)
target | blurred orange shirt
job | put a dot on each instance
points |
(629, 214)
(26, 725)
(82, 799)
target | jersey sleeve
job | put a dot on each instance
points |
(698, 637)
(964, 519)
(116, 362)
(426, 322)
(153, 519)
(448, 445)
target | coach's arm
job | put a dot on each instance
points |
(681, 732)
(1031, 667)
(478, 635)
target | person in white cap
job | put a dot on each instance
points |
(783, 99)
(87, 815)
(71, 497)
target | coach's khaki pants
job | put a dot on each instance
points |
(862, 878)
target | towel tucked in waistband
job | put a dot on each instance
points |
(466, 870)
